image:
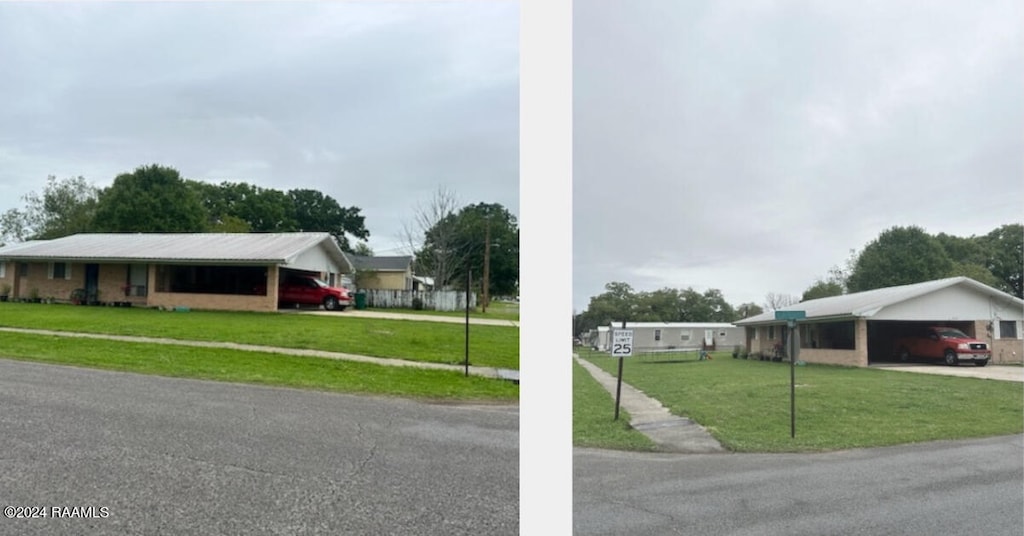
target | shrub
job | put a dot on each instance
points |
(417, 303)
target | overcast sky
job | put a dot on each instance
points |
(749, 145)
(375, 104)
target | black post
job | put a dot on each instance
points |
(469, 281)
(618, 385)
(792, 383)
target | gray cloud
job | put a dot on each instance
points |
(375, 104)
(748, 146)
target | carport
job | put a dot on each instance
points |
(859, 329)
(882, 335)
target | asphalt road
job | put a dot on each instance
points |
(943, 488)
(153, 455)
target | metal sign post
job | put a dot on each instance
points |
(469, 283)
(791, 317)
(622, 346)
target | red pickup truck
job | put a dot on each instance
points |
(308, 290)
(948, 344)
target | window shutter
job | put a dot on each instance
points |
(49, 270)
(67, 271)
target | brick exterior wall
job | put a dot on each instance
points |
(226, 302)
(851, 358)
(38, 281)
(1005, 351)
(858, 357)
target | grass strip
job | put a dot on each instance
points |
(746, 404)
(490, 346)
(593, 410)
(255, 368)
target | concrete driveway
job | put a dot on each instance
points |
(1012, 373)
(409, 316)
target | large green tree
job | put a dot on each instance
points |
(822, 289)
(1006, 257)
(311, 210)
(620, 302)
(899, 256)
(150, 199)
(466, 237)
(65, 207)
(747, 310)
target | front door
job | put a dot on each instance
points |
(92, 283)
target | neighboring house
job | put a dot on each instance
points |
(422, 282)
(861, 328)
(231, 271)
(682, 336)
(597, 338)
(383, 273)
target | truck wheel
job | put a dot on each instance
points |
(950, 357)
(331, 303)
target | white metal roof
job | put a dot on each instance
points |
(234, 248)
(869, 303)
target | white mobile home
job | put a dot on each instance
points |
(682, 336)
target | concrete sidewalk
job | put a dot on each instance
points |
(487, 372)
(670, 432)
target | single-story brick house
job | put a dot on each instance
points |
(860, 328)
(229, 271)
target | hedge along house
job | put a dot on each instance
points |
(861, 328)
(228, 271)
(682, 336)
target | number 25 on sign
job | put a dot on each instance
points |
(622, 343)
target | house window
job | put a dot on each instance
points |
(754, 336)
(657, 334)
(1007, 329)
(684, 335)
(771, 332)
(59, 270)
(22, 269)
(721, 334)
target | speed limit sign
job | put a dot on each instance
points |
(622, 343)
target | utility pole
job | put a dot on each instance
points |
(487, 266)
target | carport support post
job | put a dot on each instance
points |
(618, 385)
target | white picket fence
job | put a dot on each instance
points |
(433, 300)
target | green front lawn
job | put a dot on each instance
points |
(255, 367)
(593, 412)
(746, 404)
(491, 346)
